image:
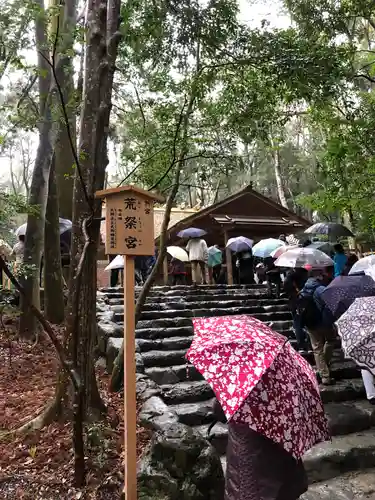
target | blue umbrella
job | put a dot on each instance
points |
(343, 290)
(264, 248)
(240, 244)
(191, 232)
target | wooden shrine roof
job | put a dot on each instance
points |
(245, 213)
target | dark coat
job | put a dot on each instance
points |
(259, 469)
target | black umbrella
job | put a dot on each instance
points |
(330, 229)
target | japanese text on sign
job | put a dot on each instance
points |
(130, 226)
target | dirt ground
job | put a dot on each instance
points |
(39, 466)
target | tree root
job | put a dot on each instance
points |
(45, 417)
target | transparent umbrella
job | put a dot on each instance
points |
(363, 265)
(65, 225)
(301, 257)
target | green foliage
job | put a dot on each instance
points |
(10, 206)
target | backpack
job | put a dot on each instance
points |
(309, 312)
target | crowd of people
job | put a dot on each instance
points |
(209, 265)
(313, 323)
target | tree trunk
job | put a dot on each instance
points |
(101, 50)
(64, 156)
(39, 184)
(53, 278)
(279, 181)
(118, 366)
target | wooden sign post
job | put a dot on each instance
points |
(129, 232)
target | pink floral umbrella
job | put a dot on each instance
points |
(260, 380)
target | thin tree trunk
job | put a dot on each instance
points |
(118, 366)
(279, 181)
(39, 184)
(64, 157)
(53, 278)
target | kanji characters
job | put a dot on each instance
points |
(130, 204)
(131, 242)
(130, 222)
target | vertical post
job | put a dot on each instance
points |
(228, 254)
(130, 418)
(165, 270)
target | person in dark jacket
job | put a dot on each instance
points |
(294, 282)
(352, 259)
(178, 272)
(245, 265)
(273, 275)
(258, 468)
(321, 328)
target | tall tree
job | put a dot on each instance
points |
(102, 40)
(39, 183)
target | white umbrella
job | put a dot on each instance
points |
(117, 263)
(178, 253)
(301, 257)
(279, 251)
(366, 264)
(64, 224)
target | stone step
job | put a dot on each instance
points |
(173, 374)
(164, 358)
(273, 313)
(193, 391)
(351, 486)
(200, 296)
(162, 375)
(177, 343)
(194, 414)
(187, 321)
(165, 289)
(164, 333)
(219, 303)
(165, 344)
(206, 304)
(343, 418)
(344, 390)
(283, 327)
(187, 392)
(343, 454)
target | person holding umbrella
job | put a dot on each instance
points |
(215, 261)
(270, 397)
(294, 282)
(356, 329)
(339, 259)
(318, 320)
(197, 250)
(198, 256)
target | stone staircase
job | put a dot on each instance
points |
(164, 333)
